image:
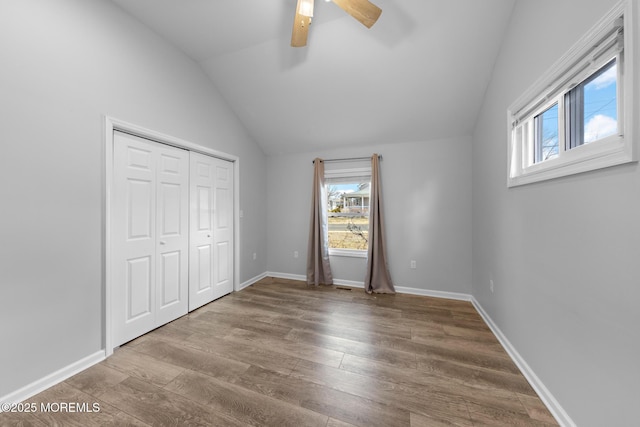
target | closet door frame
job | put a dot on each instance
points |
(111, 125)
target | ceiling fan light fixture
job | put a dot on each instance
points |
(362, 10)
(305, 8)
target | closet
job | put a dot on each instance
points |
(171, 233)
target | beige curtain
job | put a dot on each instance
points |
(318, 268)
(378, 279)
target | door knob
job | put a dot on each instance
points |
(163, 243)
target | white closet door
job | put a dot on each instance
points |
(223, 228)
(211, 246)
(150, 236)
(172, 283)
(201, 242)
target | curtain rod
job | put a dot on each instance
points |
(347, 159)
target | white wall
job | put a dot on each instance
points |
(427, 194)
(564, 253)
(66, 64)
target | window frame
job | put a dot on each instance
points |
(347, 174)
(574, 68)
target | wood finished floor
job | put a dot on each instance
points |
(280, 353)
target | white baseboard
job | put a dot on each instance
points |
(399, 289)
(53, 378)
(251, 281)
(536, 383)
(302, 278)
(432, 293)
(349, 283)
(286, 276)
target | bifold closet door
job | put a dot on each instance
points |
(150, 237)
(211, 243)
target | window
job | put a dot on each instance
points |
(572, 119)
(348, 192)
(592, 107)
(546, 134)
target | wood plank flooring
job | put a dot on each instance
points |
(280, 353)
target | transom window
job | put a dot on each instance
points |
(590, 114)
(571, 120)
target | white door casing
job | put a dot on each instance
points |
(149, 235)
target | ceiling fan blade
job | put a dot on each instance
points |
(363, 10)
(300, 30)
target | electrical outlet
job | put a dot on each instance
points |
(413, 263)
(255, 255)
(295, 254)
(491, 285)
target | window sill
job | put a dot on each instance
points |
(603, 154)
(353, 253)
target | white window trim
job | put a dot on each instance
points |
(610, 151)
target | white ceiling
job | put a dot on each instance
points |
(418, 74)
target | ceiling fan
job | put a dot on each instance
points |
(362, 10)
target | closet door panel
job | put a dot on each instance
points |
(138, 291)
(211, 254)
(201, 235)
(171, 279)
(133, 237)
(139, 205)
(223, 227)
(172, 284)
(149, 235)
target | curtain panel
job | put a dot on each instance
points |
(318, 268)
(378, 279)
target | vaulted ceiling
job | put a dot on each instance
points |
(418, 74)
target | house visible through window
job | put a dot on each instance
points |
(349, 215)
(348, 199)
